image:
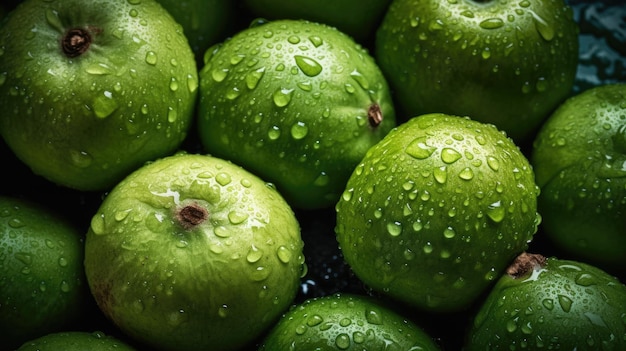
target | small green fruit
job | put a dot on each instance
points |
(42, 285)
(345, 322)
(192, 252)
(357, 18)
(506, 62)
(297, 103)
(551, 304)
(437, 210)
(579, 157)
(92, 89)
(76, 341)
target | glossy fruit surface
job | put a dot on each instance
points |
(192, 252)
(42, 284)
(551, 304)
(436, 210)
(579, 157)
(297, 103)
(76, 341)
(345, 322)
(505, 62)
(92, 89)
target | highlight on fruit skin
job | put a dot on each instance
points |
(548, 304)
(435, 212)
(344, 321)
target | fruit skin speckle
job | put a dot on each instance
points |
(436, 211)
(558, 304)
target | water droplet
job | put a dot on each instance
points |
(223, 179)
(80, 159)
(466, 174)
(309, 66)
(565, 302)
(283, 253)
(511, 325)
(491, 23)
(322, 179)
(192, 83)
(23, 257)
(449, 233)
(151, 58)
(274, 133)
(316, 41)
(99, 69)
(373, 317)
(282, 97)
(65, 286)
(548, 304)
(254, 255)
(419, 149)
(585, 279)
(172, 115)
(496, 212)
(342, 341)
(314, 320)
(236, 217)
(253, 78)
(173, 84)
(222, 311)
(104, 105)
(360, 79)
(62, 262)
(219, 75)
(544, 29)
(299, 130)
(394, 228)
(493, 163)
(449, 155)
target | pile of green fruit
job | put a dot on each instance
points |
(313, 175)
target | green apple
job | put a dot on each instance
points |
(436, 211)
(76, 341)
(506, 62)
(42, 285)
(204, 22)
(296, 102)
(92, 89)
(346, 322)
(357, 18)
(551, 304)
(191, 252)
(579, 157)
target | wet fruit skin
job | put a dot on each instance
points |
(579, 158)
(297, 103)
(436, 211)
(192, 252)
(345, 322)
(93, 89)
(76, 341)
(508, 62)
(558, 305)
(42, 285)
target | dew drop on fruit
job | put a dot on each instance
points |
(309, 66)
(493, 163)
(419, 149)
(466, 174)
(65, 286)
(496, 212)
(283, 253)
(236, 217)
(360, 79)
(372, 316)
(565, 303)
(222, 311)
(543, 28)
(219, 75)
(299, 130)
(273, 133)
(548, 304)
(394, 228)
(253, 78)
(282, 97)
(491, 23)
(260, 273)
(80, 159)
(449, 233)
(449, 155)
(322, 180)
(104, 105)
(62, 262)
(342, 341)
(254, 255)
(151, 58)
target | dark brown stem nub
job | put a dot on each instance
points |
(75, 42)
(374, 115)
(525, 263)
(192, 215)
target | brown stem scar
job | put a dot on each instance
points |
(191, 216)
(525, 263)
(374, 115)
(75, 42)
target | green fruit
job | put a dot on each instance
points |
(551, 304)
(192, 252)
(42, 285)
(357, 18)
(436, 211)
(345, 322)
(76, 341)
(504, 62)
(204, 22)
(92, 89)
(579, 157)
(297, 103)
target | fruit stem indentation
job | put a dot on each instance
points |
(374, 115)
(75, 42)
(192, 215)
(525, 263)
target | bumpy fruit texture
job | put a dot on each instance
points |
(297, 103)
(436, 211)
(76, 341)
(555, 305)
(505, 62)
(357, 18)
(345, 322)
(192, 252)
(91, 90)
(42, 285)
(579, 157)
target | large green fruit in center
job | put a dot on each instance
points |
(296, 102)
(436, 211)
